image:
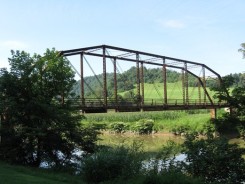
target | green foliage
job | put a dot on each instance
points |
(118, 127)
(181, 130)
(111, 163)
(242, 49)
(144, 126)
(214, 159)
(168, 178)
(36, 121)
(226, 124)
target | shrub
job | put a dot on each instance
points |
(144, 126)
(241, 130)
(207, 129)
(214, 159)
(227, 124)
(95, 126)
(169, 178)
(182, 129)
(111, 163)
(118, 127)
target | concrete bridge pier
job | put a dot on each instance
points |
(213, 113)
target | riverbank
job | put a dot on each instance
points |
(176, 122)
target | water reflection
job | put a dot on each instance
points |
(151, 143)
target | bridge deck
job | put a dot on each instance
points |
(95, 105)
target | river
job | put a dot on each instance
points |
(151, 142)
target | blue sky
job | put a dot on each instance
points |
(206, 31)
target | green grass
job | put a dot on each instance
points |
(174, 91)
(10, 174)
(164, 121)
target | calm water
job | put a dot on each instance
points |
(151, 143)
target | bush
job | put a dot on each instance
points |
(227, 124)
(118, 127)
(95, 126)
(111, 163)
(168, 178)
(180, 130)
(241, 131)
(207, 129)
(144, 126)
(214, 159)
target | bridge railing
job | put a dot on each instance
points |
(112, 103)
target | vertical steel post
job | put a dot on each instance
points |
(142, 84)
(204, 84)
(82, 80)
(164, 82)
(186, 85)
(183, 85)
(199, 93)
(115, 83)
(137, 78)
(104, 79)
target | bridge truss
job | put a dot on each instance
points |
(141, 59)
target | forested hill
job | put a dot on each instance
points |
(127, 81)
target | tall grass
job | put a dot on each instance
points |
(134, 116)
(162, 121)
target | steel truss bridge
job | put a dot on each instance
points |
(114, 55)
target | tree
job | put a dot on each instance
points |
(242, 50)
(37, 123)
(214, 159)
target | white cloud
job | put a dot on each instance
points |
(13, 44)
(175, 24)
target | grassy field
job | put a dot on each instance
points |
(10, 174)
(174, 91)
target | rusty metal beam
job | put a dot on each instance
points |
(204, 82)
(183, 84)
(115, 81)
(82, 79)
(137, 78)
(104, 79)
(186, 85)
(199, 93)
(79, 51)
(164, 70)
(142, 84)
